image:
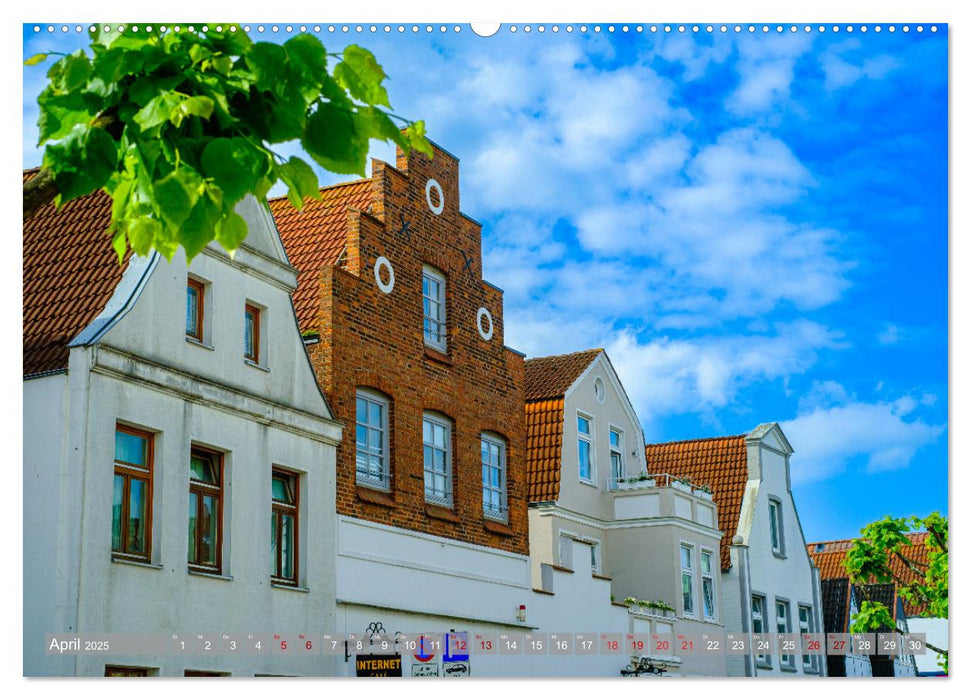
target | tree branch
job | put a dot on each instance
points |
(38, 191)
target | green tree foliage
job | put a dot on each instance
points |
(880, 553)
(178, 126)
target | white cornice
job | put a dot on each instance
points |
(589, 521)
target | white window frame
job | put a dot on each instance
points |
(438, 421)
(588, 439)
(783, 625)
(807, 629)
(383, 480)
(617, 450)
(759, 617)
(487, 468)
(595, 563)
(709, 578)
(439, 339)
(778, 542)
(689, 573)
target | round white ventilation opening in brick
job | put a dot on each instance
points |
(432, 184)
(380, 264)
(484, 322)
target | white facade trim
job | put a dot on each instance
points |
(128, 367)
(547, 511)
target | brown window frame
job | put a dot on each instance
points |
(125, 672)
(255, 310)
(278, 509)
(200, 488)
(200, 308)
(145, 473)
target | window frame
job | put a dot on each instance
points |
(278, 509)
(440, 421)
(503, 513)
(708, 577)
(617, 451)
(113, 671)
(441, 343)
(760, 659)
(588, 439)
(808, 660)
(384, 482)
(777, 539)
(128, 471)
(200, 489)
(257, 312)
(688, 572)
(786, 661)
(199, 333)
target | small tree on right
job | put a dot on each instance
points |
(879, 556)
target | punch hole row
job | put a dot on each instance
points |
(512, 29)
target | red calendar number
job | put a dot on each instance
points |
(613, 645)
(687, 645)
(309, 645)
(663, 646)
(283, 644)
(838, 644)
(814, 646)
(485, 644)
(638, 644)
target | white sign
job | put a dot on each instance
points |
(454, 669)
(424, 670)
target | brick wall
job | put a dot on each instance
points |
(372, 339)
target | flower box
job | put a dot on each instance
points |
(682, 486)
(702, 493)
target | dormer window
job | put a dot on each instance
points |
(433, 307)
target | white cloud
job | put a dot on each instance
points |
(889, 335)
(766, 68)
(827, 438)
(664, 376)
(841, 73)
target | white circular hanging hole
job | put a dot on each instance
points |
(484, 321)
(379, 264)
(432, 184)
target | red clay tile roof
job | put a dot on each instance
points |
(720, 463)
(547, 379)
(70, 273)
(830, 558)
(544, 440)
(550, 377)
(316, 236)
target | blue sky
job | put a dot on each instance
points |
(754, 225)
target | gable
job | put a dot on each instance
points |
(551, 377)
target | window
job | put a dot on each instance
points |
(125, 672)
(205, 510)
(283, 527)
(585, 447)
(687, 579)
(433, 306)
(595, 558)
(758, 623)
(707, 585)
(775, 527)
(131, 509)
(493, 477)
(251, 334)
(437, 441)
(616, 454)
(783, 626)
(372, 440)
(195, 309)
(806, 627)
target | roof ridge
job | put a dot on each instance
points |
(707, 439)
(566, 354)
(336, 185)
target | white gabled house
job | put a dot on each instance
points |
(591, 491)
(178, 456)
(768, 582)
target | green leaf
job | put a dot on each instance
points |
(175, 196)
(82, 162)
(415, 133)
(268, 63)
(35, 59)
(332, 138)
(234, 165)
(199, 106)
(231, 231)
(301, 179)
(142, 233)
(158, 110)
(75, 71)
(361, 75)
(307, 57)
(59, 114)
